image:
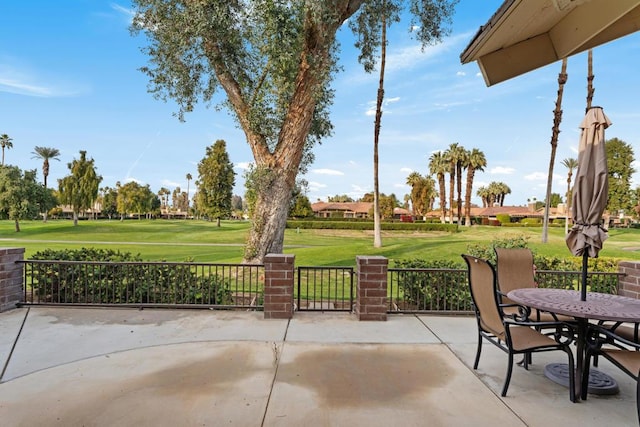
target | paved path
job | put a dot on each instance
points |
(103, 367)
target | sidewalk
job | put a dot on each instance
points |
(103, 367)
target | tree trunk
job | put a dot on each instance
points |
(443, 197)
(75, 218)
(17, 226)
(459, 192)
(269, 219)
(557, 118)
(218, 222)
(377, 227)
(467, 196)
(452, 189)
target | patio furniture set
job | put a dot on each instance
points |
(521, 319)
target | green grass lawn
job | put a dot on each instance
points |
(201, 241)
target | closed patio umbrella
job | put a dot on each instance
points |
(589, 198)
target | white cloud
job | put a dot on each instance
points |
(356, 189)
(501, 170)
(24, 88)
(316, 186)
(461, 73)
(242, 165)
(536, 176)
(406, 170)
(167, 183)
(129, 14)
(20, 81)
(328, 172)
(131, 179)
(371, 106)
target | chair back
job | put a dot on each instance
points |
(482, 283)
(514, 268)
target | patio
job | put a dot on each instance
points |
(78, 366)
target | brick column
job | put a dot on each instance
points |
(11, 273)
(371, 292)
(278, 286)
(629, 285)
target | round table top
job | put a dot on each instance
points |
(562, 301)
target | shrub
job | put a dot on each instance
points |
(368, 225)
(488, 251)
(503, 218)
(531, 221)
(433, 284)
(121, 278)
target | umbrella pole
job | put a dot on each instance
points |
(585, 266)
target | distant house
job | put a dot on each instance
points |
(341, 209)
(516, 212)
(351, 210)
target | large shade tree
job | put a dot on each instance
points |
(422, 193)
(274, 62)
(20, 194)
(620, 159)
(80, 188)
(216, 179)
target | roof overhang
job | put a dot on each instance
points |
(527, 34)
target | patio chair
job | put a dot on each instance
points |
(513, 334)
(515, 270)
(621, 352)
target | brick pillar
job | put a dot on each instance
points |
(629, 285)
(371, 292)
(11, 273)
(278, 286)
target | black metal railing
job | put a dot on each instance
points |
(446, 291)
(138, 284)
(606, 283)
(241, 286)
(324, 289)
(427, 290)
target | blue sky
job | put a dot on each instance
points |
(69, 79)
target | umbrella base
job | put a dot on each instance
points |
(599, 382)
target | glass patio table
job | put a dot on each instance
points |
(598, 306)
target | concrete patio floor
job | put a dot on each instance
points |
(104, 367)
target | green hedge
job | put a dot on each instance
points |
(347, 225)
(121, 278)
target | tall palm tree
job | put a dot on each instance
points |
(461, 163)
(5, 142)
(476, 161)
(483, 193)
(571, 164)
(189, 178)
(45, 153)
(455, 156)
(503, 190)
(557, 118)
(414, 180)
(438, 166)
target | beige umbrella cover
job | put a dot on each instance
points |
(591, 187)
